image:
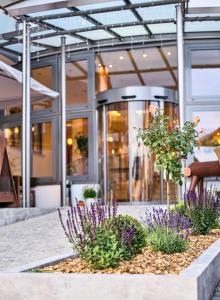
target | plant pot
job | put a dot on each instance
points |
(90, 201)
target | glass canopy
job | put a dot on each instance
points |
(103, 23)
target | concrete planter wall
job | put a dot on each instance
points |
(197, 282)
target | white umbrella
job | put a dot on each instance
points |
(11, 88)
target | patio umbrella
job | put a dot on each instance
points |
(11, 88)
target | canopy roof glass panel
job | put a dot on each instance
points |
(162, 28)
(7, 23)
(115, 22)
(115, 17)
(18, 48)
(101, 34)
(70, 23)
(157, 12)
(130, 30)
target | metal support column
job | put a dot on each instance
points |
(104, 118)
(63, 121)
(180, 53)
(26, 117)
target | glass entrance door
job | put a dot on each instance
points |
(126, 167)
(117, 152)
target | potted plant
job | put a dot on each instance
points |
(90, 195)
(169, 145)
(82, 144)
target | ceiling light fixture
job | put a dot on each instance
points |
(110, 66)
(168, 53)
(144, 55)
(121, 57)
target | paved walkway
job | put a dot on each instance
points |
(31, 240)
(40, 238)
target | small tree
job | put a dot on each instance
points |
(169, 145)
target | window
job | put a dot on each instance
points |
(42, 149)
(77, 82)
(205, 73)
(147, 66)
(13, 142)
(77, 147)
(44, 76)
(210, 121)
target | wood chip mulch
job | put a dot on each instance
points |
(147, 262)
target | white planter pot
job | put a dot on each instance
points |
(89, 201)
(47, 196)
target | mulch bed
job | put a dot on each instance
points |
(147, 262)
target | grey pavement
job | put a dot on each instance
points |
(31, 240)
(41, 238)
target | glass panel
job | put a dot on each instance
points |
(171, 110)
(19, 48)
(101, 5)
(114, 17)
(101, 149)
(117, 152)
(148, 66)
(55, 41)
(50, 12)
(77, 147)
(96, 35)
(202, 3)
(13, 142)
(202, 26)
(7, 23)
(77, 82)
(70, 23)
(158, 12)
(210, 121)
(44, 76)
(145, 181)
(42, 149)
(130, 30)
(205, 73)
(162, 28)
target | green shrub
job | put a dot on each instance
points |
(89, 193)
(167, 240)
(105, 251)
(180, 208)
(203, 219)
(119, 225)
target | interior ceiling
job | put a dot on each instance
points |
(102, 23)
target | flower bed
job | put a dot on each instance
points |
(147, 262)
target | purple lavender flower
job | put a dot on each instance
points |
(172, 220)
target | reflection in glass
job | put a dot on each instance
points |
(145, 181)
(171, 110)
(117, 152)
(210, 121)
(44, 76)
(77, 81)
(42, 150)
(135, 67)
(131, 175)
(205, 73)
(13, 142)
(77, 147)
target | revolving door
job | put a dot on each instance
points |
(126, 168)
